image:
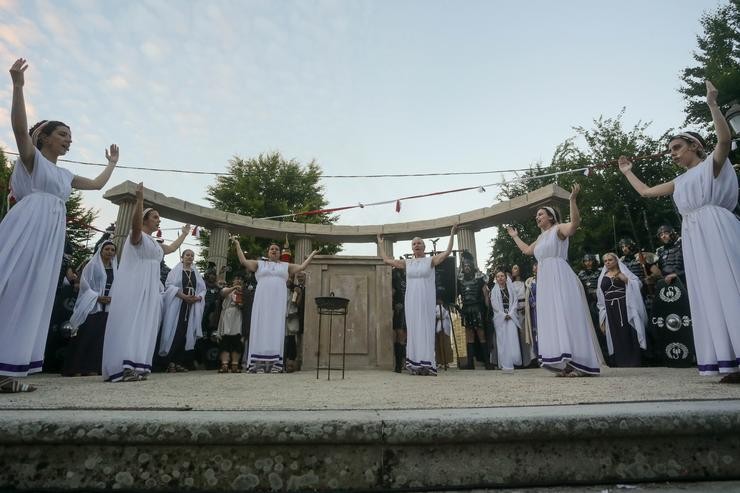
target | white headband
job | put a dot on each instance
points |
(36, 133)
(552, 212)
(689, 137)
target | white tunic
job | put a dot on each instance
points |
(267, 327)
(31, 247)
(507, 330)
(565, 332)
(92, 285)
(711, 252)
(636, 313)
(420, 314)
(171, 310)
(135, 310)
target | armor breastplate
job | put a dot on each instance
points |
(670, 259)
(471, 290)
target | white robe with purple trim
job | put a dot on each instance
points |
(267, 327)
(31, 247)
(420, 314)
(710, 233)
(135, 310)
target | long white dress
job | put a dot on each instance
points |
(135, 310)
(711, 252)
(171, 310)
(31, 247)
(267, 327)
(420, 315)
(507, 330)
(565, 332)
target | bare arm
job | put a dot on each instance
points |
(137, 219)
(18, 119)
(523, 247)
(569, 229)
(172, 247)
(440, 257)
(82, 183)
(250, 265)
(294, 268)
(724, 138)
(398, 264)
(625, 166)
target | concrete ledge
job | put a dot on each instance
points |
(369, 450)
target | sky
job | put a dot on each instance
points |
(364, 87)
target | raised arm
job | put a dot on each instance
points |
(724, 138)
(82, 183)
(250, 265)
(569, 229)
(399, 264)
(440, 257)
(18, 119)
(523, 247)
(137, 219)
(625, 166)
(172, 247)
(294, 268)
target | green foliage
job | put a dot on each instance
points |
(718, 60)
(266, 186)
(610, 208)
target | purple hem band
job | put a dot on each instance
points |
(21, 368)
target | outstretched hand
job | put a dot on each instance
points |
(454, 228)
(17, 70)
(185, 229)
(380, 239)
(625, 165)
(574, 191)
(512, 232)
(112, 154)
(711, 93)
(140, 190)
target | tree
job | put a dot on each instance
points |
(5, 171)
(79, 232)
(267, 186)
(718, 60)
(610, 208)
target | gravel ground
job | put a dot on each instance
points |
(368, 389)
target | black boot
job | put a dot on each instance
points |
(471, 357)
(397, 357)
(487, 355)
(401, 357)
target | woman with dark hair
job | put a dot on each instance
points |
(136, 299)
(706, 195)
(506, 322)
(267, 327)
(85, 351)
(565, 334)
(182, 302)
(622, 315)
(41, 189)
(420, 302)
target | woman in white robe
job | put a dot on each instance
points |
(706, 195)
(267, 327)
(622, 314)
(136, 299)
(32, 236)
(183, 301)
(525, 335)
(85, 352)
(420, 301)
(565, 334)
(506, 322)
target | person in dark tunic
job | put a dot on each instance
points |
(85, 351)
(622, 315)
(670, 255)
(589, 277)
(398, 282)
(183, 303)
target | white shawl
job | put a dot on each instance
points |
(92, 285)
(444, 322)
(497, 304)
(636, 313)
(171, 309)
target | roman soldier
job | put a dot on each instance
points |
(471, 285)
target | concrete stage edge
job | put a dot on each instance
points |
(369, 450)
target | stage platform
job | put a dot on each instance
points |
(373, 431)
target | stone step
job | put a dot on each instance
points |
(369, 450)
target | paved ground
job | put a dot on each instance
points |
(369, 389)
(704, 487)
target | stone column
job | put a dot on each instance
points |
(466, 240)
(218, 247)
(301, 249)
(387, 247)
(123, 225)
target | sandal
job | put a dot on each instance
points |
(12, 386)
(234, 368)
(171, 368)
(224, 368)
(731, 378)
(130, 375)
(181, 369)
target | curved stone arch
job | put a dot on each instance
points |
(223, 223)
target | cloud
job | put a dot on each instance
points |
(155, 50)
(9, 5)
(117, 81)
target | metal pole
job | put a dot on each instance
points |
(331, 322)
(344, 342)
(318, 349)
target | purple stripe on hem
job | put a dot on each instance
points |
(556, 359)
(21, 368)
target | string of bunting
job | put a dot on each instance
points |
(586, 170)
